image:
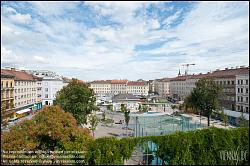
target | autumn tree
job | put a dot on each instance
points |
(4, 115)
(50, 129)
(78, 99)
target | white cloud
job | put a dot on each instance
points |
(20, 18)
(8, 56)
(53, 8)
(40, 59)
(109, 52)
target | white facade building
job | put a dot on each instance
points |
(242, 93)
(50, 87)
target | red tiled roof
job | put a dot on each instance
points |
(19, 75)
(229, 72)
(119, 81)
(136, 83)
(217, 74)
(179, 78)
(101, 82)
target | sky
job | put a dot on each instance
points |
(124, 40)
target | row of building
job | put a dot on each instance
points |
(234, 82)
(108, 87)
(26, 91)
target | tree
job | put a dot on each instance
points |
(78, 99)
(224, 118)
(205, 96)
(4, 115)
(126, 115)
(145, 108)
(93, 120)
(242, 121)
(110, 108)
(49, 129)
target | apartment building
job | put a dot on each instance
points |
(25, 91)
(181, 86)
(101, 87)
(7, 96)
(178, 87)
(137, 88)
(119, 86)
(38, 92)
(51, 83)
(50, 87)
(242, 92)
(161, 86)
(113, 87)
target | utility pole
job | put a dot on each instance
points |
(187, 65)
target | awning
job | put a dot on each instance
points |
(23, 111)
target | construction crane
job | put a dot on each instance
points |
(187, 65)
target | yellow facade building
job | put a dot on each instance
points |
(7, 96)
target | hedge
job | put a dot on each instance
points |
(199, 147)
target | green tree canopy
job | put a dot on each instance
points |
(78, 99)
(205, 96)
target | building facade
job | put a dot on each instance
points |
(50, 87)
(119, 86)
(242, 92)
(137, 88)
(25, 91)
(182, 86)
(161, 86)
(113, 87)
(7, 96)
(101, 87)
(51, 83)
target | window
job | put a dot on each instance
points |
(241, 99)
(238, 81)
(241, 90)
(238, 108)
(241, 82)
(232, 82)
(247, 99)
(6, 84)
(228, 82)
(11, 84)
(238, 98)
(246, 90)
(247, 82)
(247, 110)
(46, 96)
(241, 108)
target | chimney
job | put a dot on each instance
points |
(13, 69)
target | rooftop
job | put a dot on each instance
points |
(136, 83)
(19, 75)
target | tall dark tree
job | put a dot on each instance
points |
(205, 96)
(78, 99)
